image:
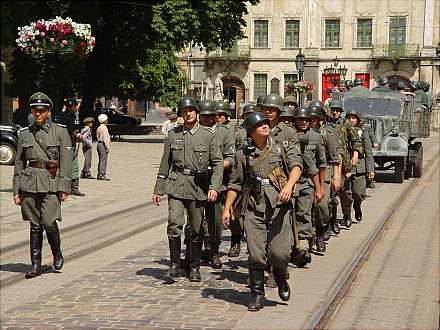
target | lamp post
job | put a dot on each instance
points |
(300, 63)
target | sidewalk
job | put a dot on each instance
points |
(132, 167)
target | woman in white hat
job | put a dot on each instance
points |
(103, 148)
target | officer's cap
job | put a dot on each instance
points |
(88, 120)
(40, 100)
(72, 101)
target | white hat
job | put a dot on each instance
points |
(102, 118)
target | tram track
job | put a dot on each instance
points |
(342, 287)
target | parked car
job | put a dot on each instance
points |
(116, 117)
(8, 143)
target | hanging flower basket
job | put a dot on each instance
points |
(299, 87)
(59, 34)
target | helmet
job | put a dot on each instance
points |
(336, 104)
(315, 111)
(358, 82)
(349, 83)
(222, 107)
(384, 81)
(400, 85)
(253, 120)
(290, 99)
(287, 112)
(187, 102)
(425, 86)
(316, 103)
(352, 112)
(273, 100)
(102, 118)
(260, 99)
(248, 108)
(40, 100)
(301, 112)
(207, 107)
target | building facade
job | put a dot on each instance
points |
(371, 39)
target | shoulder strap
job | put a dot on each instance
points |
(40, 144)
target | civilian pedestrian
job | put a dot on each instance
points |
(86, 137)
(103, 147)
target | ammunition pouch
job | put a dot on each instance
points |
(278, 178)
(52, 167)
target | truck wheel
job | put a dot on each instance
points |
(418, 160)
(7, 153)
(399, 169)
(409, 168)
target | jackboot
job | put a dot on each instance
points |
(215, 258)
(357, 212)
(320, 245)
(234, 251)
(55, 246)
(280, 275)
(206, 253)
(347, 221)
(256, 279)
(36, 245)
(74, 188)
(175, 247)
(333, 221)
(270, 282)
(194, 273)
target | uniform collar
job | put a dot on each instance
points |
(45, 127)
(192, 130)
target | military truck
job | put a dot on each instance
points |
(397, 120)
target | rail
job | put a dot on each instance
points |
(395, 51)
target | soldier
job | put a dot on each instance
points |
(349, 84)
(425, 86)
(43, 167)
(213, 211)
(185, 177)
(260, 101)
(289, 101)
(358, 89)
(384, 86)
(286, 135)
(264, 175)
(223, 113)
(419, 91)
(312, 142)
(240, 131)
(330, 180)
(350, 147)
(70, 118)
(373, 141)
(286, 116)
(359, 172)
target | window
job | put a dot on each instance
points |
(364, 32)
(397, 30)
(332, 31)
(289, 78)
(260, 85)
(292, 34)
(261, 33)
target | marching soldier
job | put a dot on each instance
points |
(350, 147)
(240, 131)
(360, 171)
(331, 180)
(264, 175)
(287, 115)
(384, 86)
(70, 118)
(185, 177)
(223, 113)
(213, 211)
(42, 172)
(358, 89)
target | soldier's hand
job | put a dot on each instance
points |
(226, 217)
(347, 175)
(156, 199)
(212, 196)
(336, 184)
(62, 196)
(354, 159)
(18, 199)
(285, 194)
(318, 195)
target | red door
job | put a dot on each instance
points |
(365, 78)
(329, 83)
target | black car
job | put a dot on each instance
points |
(116, 117)
(8, 143)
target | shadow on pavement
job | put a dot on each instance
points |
(15, 268)
(232, 276)
(145, 140)
(233, 296)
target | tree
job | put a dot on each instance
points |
(136, 45)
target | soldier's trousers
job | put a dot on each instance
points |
(353, 189)
(75, 166)
(176, 218)
(102, 163)
(87, 151)
(321, 210)
(214, 227)
(42, 210)
(303, 213)
(270, 229)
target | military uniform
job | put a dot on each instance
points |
(184, 176)
(38, 187)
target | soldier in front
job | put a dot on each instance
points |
(42, 178)
(184, 175)
(264, 176)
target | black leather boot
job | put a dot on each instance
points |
(74, 188)
(36, 245)
(194, 273)
(357, 212)
(175, 247)
(347, 221)
(55, 246)
(234, 251)
(333, 221)
(280, 275)
(206, 253)
(320, 245)
(270, 282)
(256, 279)
(216, 263)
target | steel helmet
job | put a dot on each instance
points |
(349, 83)
(384, 81)
(260, 100)
(358, 82)
(222, 107)
(336, 104)
(316, 103)
(253, 120)
(287, 112)
(273, 100)
(301, 112)
(188, 102)
(207, 107)
(248, 108)
(315, 111)
(352, 112)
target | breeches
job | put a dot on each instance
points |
(176, 218)
(303, 213)
(41, 210)
(353, 189)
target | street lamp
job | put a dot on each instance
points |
(300, 63)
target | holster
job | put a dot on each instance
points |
(52, 167)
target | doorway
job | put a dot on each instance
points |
(233, 89)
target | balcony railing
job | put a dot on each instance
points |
(389, 50)
(236, 52)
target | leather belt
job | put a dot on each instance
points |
(37, 164)
(184, 171)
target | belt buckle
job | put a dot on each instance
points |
(265, 182)
(186, 171)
